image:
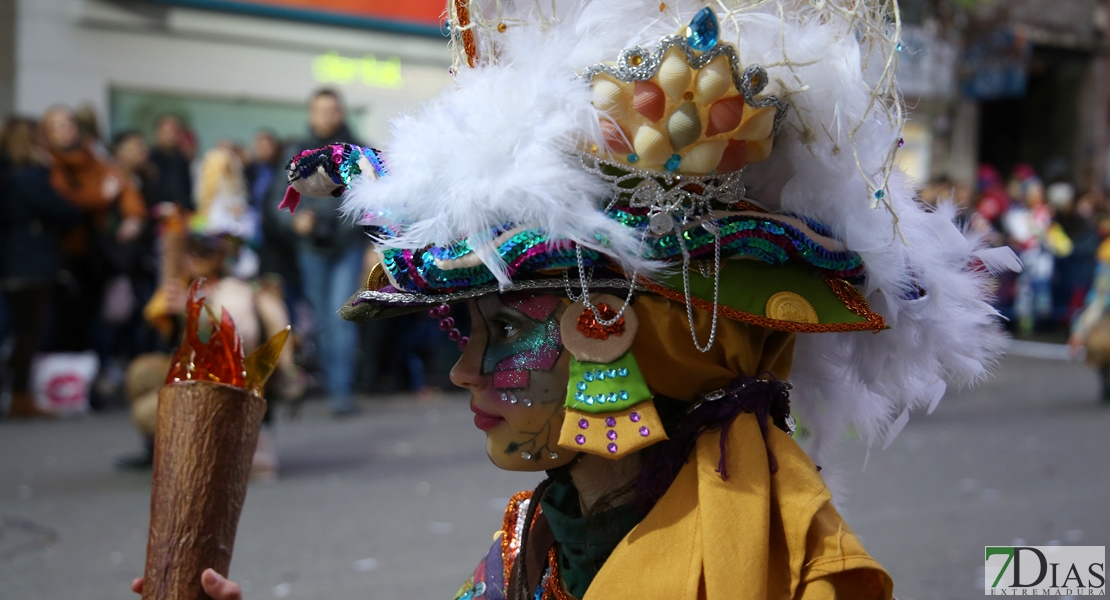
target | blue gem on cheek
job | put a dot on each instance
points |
(703, 31)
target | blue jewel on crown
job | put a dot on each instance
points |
(703, 31)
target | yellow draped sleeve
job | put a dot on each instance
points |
(756, 536)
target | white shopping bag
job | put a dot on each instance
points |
(61, 381)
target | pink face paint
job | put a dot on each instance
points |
(536, 348)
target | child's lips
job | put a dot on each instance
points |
(484, 420)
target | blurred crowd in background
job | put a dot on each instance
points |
(100, 239)
(1057, 231)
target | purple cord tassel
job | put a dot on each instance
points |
(764, 398)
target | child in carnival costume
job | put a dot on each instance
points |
(674, 226)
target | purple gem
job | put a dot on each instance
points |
(612, 448)
(901, 142)
(463, 342)
(454, 335)
(580, 439)
(433, 313)
(447, 323)
(583, 424)
(635, 416)
(610, 421)
(644, 431)
(612, 435)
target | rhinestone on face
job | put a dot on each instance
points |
(526, 456)
(513, 399)
(612, 448)
(583, 424)
(504, 397)
(610, 421)
(553, 456)
(580, 439)
(644, 431)
(612, 435)
(635, 417)
(527, 402)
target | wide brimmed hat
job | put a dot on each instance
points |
(738, 160)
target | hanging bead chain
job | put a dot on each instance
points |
(447, 323)
(582, 281)
(716, 286)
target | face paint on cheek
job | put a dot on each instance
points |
(537, 349)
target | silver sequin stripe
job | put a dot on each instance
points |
(527, 285)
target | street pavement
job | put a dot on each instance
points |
(401, 502)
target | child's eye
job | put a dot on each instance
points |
(508, 330)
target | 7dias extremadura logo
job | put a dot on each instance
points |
(1045, 570)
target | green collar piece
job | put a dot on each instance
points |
(584, 543)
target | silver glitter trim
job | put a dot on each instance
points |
(408, 298)
(665, 191)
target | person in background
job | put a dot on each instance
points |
(329, 252)
(103, 246)
(1091, 328)
(33, 219)
(174, 183)
(131, 153)
(277, 252)
(1074, 273)
(213, 250)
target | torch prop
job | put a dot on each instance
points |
(209, 415)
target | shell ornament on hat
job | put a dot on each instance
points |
(735, 157)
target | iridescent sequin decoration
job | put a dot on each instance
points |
(742, 236)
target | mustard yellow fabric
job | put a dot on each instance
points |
(755, 536)
(674, 367)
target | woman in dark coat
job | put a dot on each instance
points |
(32, 218)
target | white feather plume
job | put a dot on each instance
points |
(498, 148)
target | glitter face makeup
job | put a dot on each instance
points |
(517, 372)
(521, 346)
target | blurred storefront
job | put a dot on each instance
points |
(228, 68)
(1005, 82)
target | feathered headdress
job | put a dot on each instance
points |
(666, 146)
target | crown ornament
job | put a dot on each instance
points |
(681, 120)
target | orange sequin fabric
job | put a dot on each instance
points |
(589, 327)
